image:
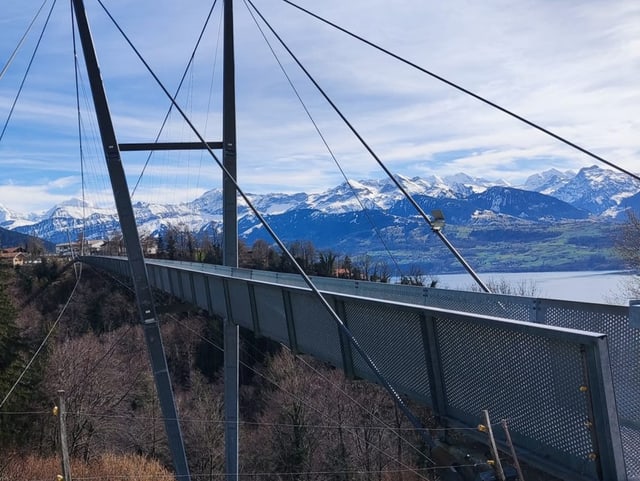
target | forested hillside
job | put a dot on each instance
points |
(9, 238)
(300, 419)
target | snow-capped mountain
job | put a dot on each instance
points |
(628, 203)
(10, 219)
(593, 189)
(465, 200)
(548, 182)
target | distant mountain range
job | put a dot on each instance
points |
(336, 219)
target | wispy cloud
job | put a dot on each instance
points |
(570, 66)
(36, 197)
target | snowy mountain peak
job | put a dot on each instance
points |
(592, 191)
(6, 214)
(72, 207)
(596, 189)
(548, 181)
(464, 185)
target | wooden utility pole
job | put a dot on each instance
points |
(64, 447)
(512, 449)
(494, 448)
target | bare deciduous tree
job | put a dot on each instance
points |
(203, 427)
(316, 425)
(104, 380)
(628, 241)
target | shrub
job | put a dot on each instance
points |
(107, 466)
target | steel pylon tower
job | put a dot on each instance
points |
(230, 245)
(131, 238)
(139, 275)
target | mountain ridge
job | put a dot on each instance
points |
(554, 196)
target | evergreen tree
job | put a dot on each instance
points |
(14, 428)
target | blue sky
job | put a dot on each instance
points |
(572, 66)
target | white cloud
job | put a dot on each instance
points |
(32, 198)
(570, 66)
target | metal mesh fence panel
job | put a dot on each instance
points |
(200, 287)
(270, 311)
(239, 299)
(534, 382)
(185, 286)
(393, 339)
(508, 307)
(174, 282)
(631, 444)
(518, 371)
(624, 352)
(316, 331)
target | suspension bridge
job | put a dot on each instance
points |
(565, 373)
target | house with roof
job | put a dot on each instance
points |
(14, 255)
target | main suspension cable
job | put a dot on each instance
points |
(24, 37)
(175, 96)
(26, 74)
(79, 117)
(326, 144)
(316, 292)
(436, 230)
(470, 93)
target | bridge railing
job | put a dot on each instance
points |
(553, 384)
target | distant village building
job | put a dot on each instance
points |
(14, 255)
(150, 246)
(94, 246)
(67, 249)
(19, 259)
(72, 249)
(111, 247)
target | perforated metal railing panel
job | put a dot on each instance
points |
(393, 338)
(532, 381)
(509, 307)
(271, 318)
(624, 352)
(318, 334)
(522, 372)
(631, 444)
(624, 342)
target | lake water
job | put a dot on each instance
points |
(608, 287)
